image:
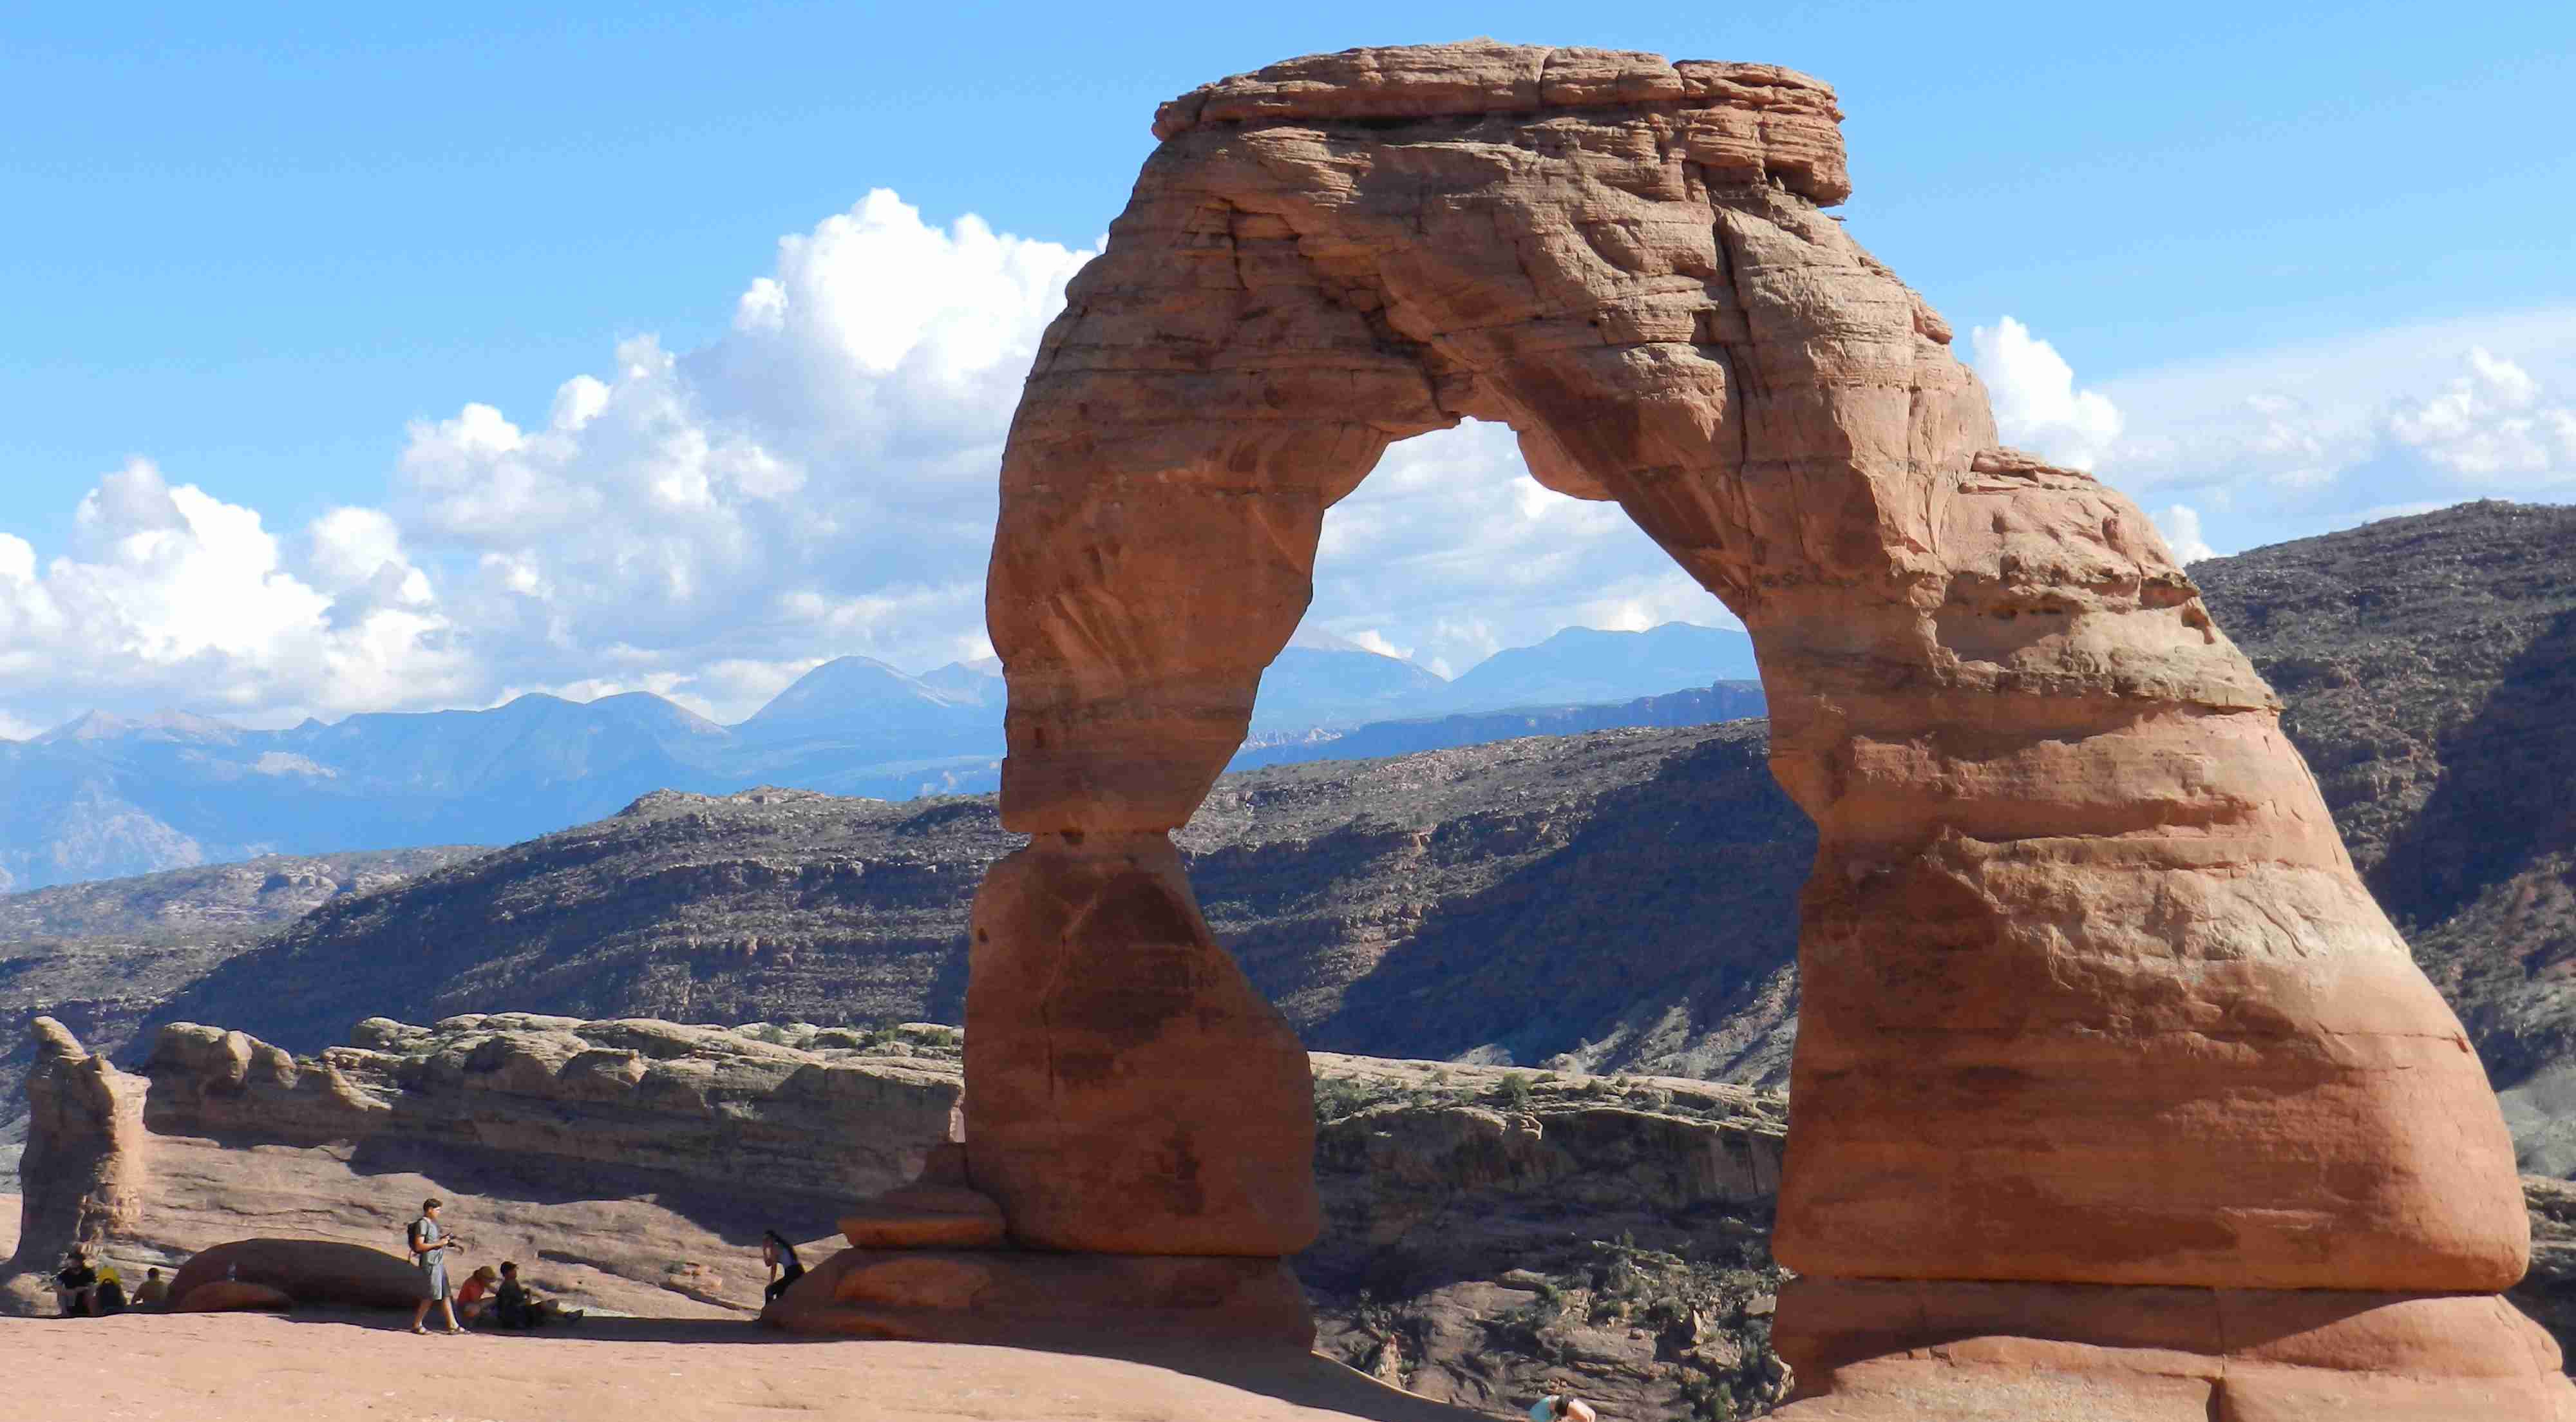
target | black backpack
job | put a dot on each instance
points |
(111, 1298)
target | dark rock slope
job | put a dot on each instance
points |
(1619, 900)
(100, 955)
(1451, 903)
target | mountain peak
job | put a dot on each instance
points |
(165, 724)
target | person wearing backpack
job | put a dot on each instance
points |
(428, 1245)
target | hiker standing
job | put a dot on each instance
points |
(429, 1245)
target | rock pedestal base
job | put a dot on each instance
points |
(1885, 1350)
(929, 1263)
(1095, 1302)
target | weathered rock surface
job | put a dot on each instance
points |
(1455, 902)
(2092, 991)
(1119, 1055)
(99, 956)
(630, 1165)
(83, 1170)
(1493, 1235)
(1488, 1232)
(303, 1271)
(1034, 1297)
(234, 1296)
(1621, 901)
(235, 1368)
(2428, 664)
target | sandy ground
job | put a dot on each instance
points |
(238, 1367)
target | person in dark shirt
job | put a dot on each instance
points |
(76, 1286)
(513, 1306)
(784, 1267)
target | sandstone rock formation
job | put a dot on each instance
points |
(630, 1165)
(81, 1180)
(304, 1271)
(1487, 1231)
(2093, 995)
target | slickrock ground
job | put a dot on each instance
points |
(237, 1368)
(1488, 1234)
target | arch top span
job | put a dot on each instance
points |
(1740, 121)
(2091, 992)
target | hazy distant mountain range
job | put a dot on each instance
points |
(103, 796)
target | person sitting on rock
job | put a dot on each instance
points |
(110, 1298)
(784, 1267)
(514, 1306)
(1561, 1406)
(474, 1300)
(76, 1286)
(153, 1292)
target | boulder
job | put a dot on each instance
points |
(308, 1271)
(233, 1296)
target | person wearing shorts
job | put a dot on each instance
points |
(429, 1245)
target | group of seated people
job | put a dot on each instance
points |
(83, 1290)
(490, 1297)
(493, 1298)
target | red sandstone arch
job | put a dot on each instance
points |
(2092, 993)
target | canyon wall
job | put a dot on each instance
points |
(631, 1164)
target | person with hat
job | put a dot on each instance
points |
(110, 1298)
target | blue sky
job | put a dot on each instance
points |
(262, 251)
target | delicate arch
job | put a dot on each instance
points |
(2092, 993)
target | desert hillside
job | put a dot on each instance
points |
(1619, 900)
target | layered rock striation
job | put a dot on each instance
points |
(629, 1164)
(2093, 995)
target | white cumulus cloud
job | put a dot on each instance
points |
(2037, 405)
(2180, 524)
(2489, 424)
(2296, 440)
(170, 593)
(1451, 549)
(820, 480)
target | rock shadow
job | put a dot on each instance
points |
(2507, 793)
(1702, 861)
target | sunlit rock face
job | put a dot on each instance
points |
(2092, 993)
